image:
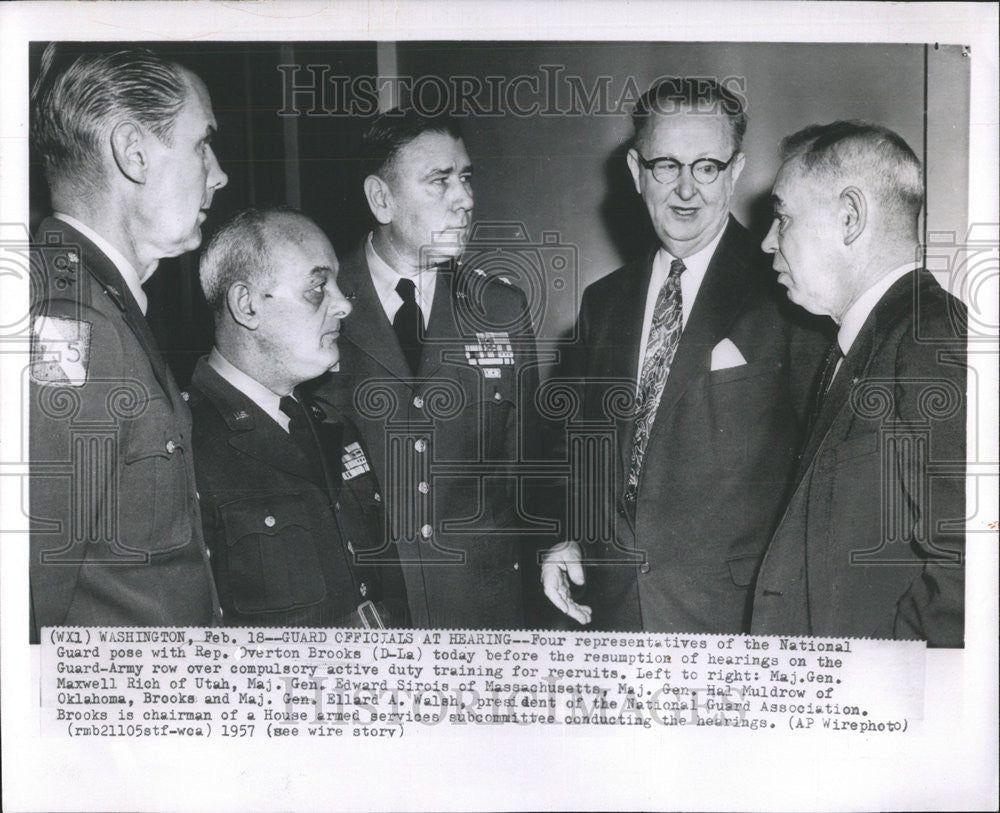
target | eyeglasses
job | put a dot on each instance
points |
(704, 170)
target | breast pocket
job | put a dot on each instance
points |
(271, 559)
(154, 493)
(495, 410)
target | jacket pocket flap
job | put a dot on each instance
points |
(264, 514)
(743, 569)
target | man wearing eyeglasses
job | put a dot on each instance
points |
(698, 333)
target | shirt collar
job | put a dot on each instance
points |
(267, 400)
(385, 279)
(695, 268)
(125, 268)
(856, 315)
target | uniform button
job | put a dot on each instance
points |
(418, 402)
(171, 447)
(644, 567)
(208, 553)
(377, 497)
(269, 521)
(423, 487)
(221, 613)
(350, 547)
(336, 506)
(497, 396)
(363, 589)
(517, 565)
(197, 495)
(185, 395)
(420, 446)
(426, 531)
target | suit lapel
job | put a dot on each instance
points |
(719, 301)
(368, 328)
(100, 267)
(854, 368)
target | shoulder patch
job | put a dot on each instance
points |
(60, 351)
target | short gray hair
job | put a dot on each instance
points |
(239, 251)
(880, 156)
(76, 100)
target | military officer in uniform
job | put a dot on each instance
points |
(125, 138)
(438, 368)
(291, 507)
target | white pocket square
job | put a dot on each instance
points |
(725, 355)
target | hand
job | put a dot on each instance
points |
(561, 565)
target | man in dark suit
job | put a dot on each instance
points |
(291, 508)
(438, 361)
(872, 541)
(697, 337)
(116, 536)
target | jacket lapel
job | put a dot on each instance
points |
(252, 431)
(100, 267)
(719, 302)
(368, 328)
(442, 329)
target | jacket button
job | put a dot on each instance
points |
(269, 521)
(336, 506)
(418, 402)
(426, 531)
(497, 396)
(420, 446)
(423, 487)
(208, 553)
(185, 395)
(517, 565)
(350, 547)
(171, 447)
(644, 567)
(363, 589)
(377, 497)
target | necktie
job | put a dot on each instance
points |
(407, 323)
(664, 335)
(830, 361)
(300, 428)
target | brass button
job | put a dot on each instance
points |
(377, 497)
(418, 402)
(185, 395)
(420, 446)
(336, 506)
(644, 567)
(517, 565)
(426, 531)
(269, 521)
(423, 487)
(171, 447)
(497, 396)
(363, 589)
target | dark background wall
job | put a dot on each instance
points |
(561, 174)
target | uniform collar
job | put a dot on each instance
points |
(125, 268)
(385, 278)
(267, 400)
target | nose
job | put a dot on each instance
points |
(339, 307)
(216, 177)
(463, 197)
(770, 244)
(686, 186)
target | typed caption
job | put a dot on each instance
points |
(268, 683)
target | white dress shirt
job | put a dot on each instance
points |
(269, 401)
(385, 278)
(132, 277)
(695, 267)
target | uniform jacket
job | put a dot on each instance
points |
(872, 541)
(721, 450)
(290, 546)
(115, 532)
(444, 442)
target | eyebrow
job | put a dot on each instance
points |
(465, 170)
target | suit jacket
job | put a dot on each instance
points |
(290, 544)
(720, 454)
(871, 543)
(115, 527)
(444, 443)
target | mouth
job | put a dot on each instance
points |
(685, 212)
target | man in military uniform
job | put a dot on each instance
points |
(291, 508)
(439, 369)
(116, 535)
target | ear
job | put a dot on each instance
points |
(853, 213)
(129, 151)
(241, 305)
(738, 163)
(379, 197)
(632, 158)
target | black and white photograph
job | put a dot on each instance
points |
(526, 388)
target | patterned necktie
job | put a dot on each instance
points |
(407, 323)
(830, 361)
(664, 335)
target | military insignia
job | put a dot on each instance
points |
(60, 351)
(490, 350)
(354, 460)
(241, 415)
(491, 372)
